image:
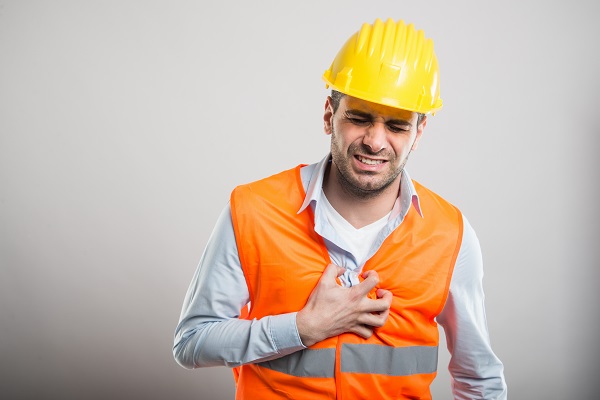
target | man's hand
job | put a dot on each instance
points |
(332, 310)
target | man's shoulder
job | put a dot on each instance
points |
(281, 193)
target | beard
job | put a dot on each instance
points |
(350, 180)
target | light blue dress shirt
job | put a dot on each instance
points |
(210, 333)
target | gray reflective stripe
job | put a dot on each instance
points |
(358, 358)
(386, 360)
(305, 363)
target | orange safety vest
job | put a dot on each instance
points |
(283, 258)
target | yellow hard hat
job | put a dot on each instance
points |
(388, 63)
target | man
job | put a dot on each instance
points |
(326, 281)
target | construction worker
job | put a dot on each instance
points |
(325, 281)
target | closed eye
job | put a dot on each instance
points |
(358, 118)
(398, 129)
(359, 121)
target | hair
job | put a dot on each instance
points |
(336, 97)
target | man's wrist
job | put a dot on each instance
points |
(304, 330)
(284, 333)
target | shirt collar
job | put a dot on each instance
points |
(407, 195)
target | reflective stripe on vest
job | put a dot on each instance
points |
(306, 363)
(358, 358)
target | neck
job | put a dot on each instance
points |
(358, 210)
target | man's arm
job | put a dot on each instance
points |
(476, 371)
(210, 332)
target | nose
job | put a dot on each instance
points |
(375, 138)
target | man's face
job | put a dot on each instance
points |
(370, 144)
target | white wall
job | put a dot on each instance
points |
(124, 125)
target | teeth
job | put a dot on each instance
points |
(368, 161)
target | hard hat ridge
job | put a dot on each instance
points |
(388, 63)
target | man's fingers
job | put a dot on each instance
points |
(376, 312)
(331, 272)
(375, 306)
(370, 274)
(385, 295)
(363, 331)
(371, 280)
(374, 320)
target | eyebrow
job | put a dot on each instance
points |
(363, 114)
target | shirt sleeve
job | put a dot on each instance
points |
(476, 371)
(210, 332)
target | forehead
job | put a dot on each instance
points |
(379, 110)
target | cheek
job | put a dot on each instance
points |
(402, 148)
(339, 143)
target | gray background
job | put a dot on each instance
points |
(124, 126)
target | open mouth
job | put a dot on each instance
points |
(369, 161)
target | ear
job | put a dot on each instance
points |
(328, 116)
(420, 129)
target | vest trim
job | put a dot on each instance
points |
(306, 363)
(386, 360)
(358, 358)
